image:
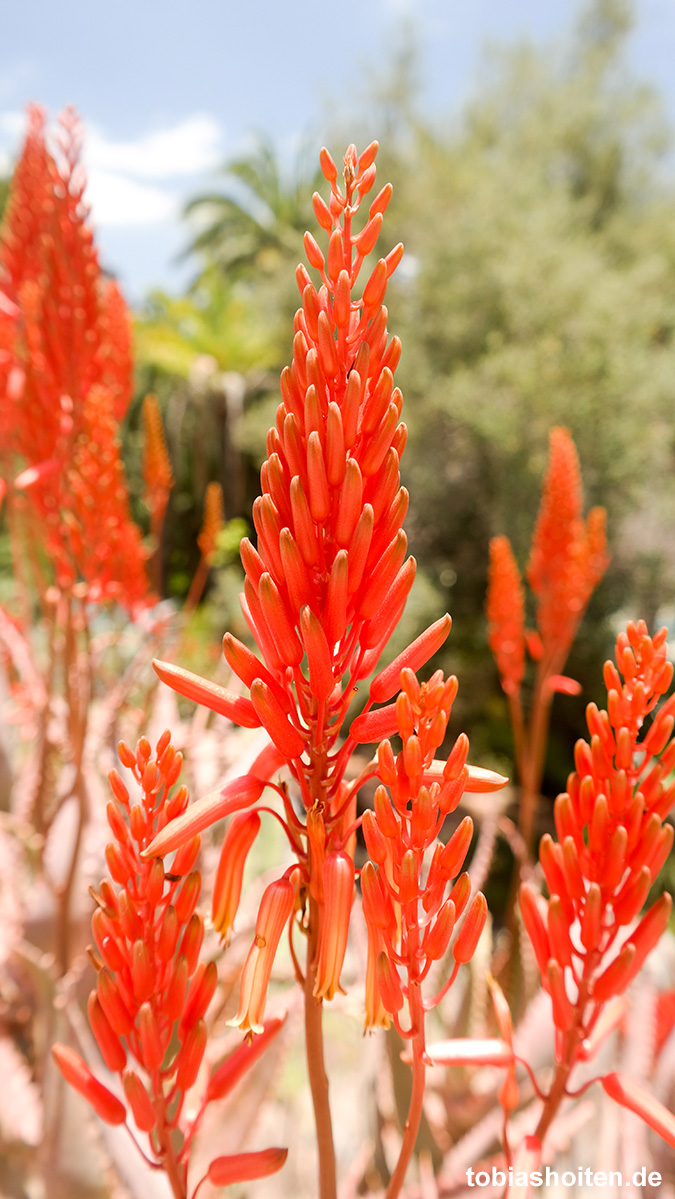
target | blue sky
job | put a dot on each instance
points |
(169, 90)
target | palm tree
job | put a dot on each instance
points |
(257, 223)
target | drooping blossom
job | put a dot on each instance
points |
(152, 991)
(65, 373)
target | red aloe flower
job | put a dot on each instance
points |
(329, 577)
(325, 587)
(612, 843)
(567, 560)
(65, 375)
(410, 905)
(568, 557)
(152, 993)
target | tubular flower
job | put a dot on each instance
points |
(66, 374)
(411, 912)
(611, 844)
(568, 556)
(506, 615)
(274, 913)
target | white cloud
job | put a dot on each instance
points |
(129, 181)
(188, 148)
(118, 200)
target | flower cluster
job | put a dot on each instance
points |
(152, 992)
(65, 371)
(567, 559)
(611, 844)
(328, 580)
(568, 556)
(410, 905)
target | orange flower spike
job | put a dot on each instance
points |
(66, 374)
(157, 473)
(338, 891)
(568, 557)
(276, 907)
(213, 522)
(506, 615)
(241, 833)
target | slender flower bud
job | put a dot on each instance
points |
(471, 930)
(389, 984)
(234, 707)
(376, 900)
(152, 1049)
(437, 937)
(77, 1073)
(374, 838)
(617, 975)
(145, 1116)
(563, 1012)
(455, 851)
(112, 1050)
(245, 1167)
(190, 1056)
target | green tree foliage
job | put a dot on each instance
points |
(541, 292)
